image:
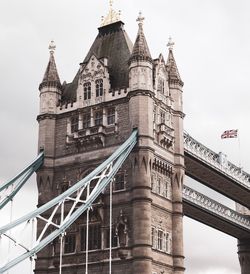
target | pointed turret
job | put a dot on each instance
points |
(140, 62)
(51, 77)
(140, 50)
(50, 88)
(173, 73)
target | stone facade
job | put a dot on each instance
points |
(117, 88)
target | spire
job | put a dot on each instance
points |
(173, 73)
(140, 49)
(112, 16)
(51, 77)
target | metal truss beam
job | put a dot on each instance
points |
(19, 180)
(101, 176)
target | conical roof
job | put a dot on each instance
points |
(51, 77)
(140, 49)
(173, 72)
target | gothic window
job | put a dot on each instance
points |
(98, 118)
(74, 123)
(99, 87)
(111, 116)
(114, 238)
(165, 189)
(162, 117)
(86, 120)
(161, 85)
(119, 182)
(160, 239)
(167, 244)
(69, 243)
(159, 186)
(87, 91)
(94, 241)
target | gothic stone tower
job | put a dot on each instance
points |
(118, 87)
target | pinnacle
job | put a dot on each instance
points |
(51, 77)
(172, 69)
(140, 49)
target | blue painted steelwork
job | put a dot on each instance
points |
(108, 169)
(20, 179)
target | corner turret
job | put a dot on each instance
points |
(50, 88)
(140, 69)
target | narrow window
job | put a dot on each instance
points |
(69, 243)
(111, 116)
(74, 124)
(98, 118)
(162, 117)
(161, 85)
(94, 237)
(86, 120)
(114, 240)
(160, 240)
(87, 91)
(119, 182)
(167, 242)
(99, 87)
(159, 186)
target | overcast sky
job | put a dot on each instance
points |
(212, 52)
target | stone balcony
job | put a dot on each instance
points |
(165, 135)
(94, 136)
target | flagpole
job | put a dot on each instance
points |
(239, 150)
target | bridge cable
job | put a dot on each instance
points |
(107, 171)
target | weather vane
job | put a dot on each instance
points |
(170, 43)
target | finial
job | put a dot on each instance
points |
(52, 47)
(170, 43)
(140, 19)
(112, 16)
(111, 4)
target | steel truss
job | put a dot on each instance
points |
(101, 177)
(9, 189)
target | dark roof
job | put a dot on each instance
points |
(140, 49)
(51, 77)
(112, 42)
(173, 72)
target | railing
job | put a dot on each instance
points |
(214, 207)
(216, 160)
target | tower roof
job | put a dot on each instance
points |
(51, 77)
(113, 43)
(140, 49)
(172, 69)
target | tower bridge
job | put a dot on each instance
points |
(114, 160)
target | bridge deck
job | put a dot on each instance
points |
(205, 210)
(214, 171)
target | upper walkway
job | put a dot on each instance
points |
(213, 170)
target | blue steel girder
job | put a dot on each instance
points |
(16, 183)
(103, 174)
(212, 213)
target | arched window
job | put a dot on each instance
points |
(87, 91)
(99, 87)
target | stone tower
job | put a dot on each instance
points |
(118, 87)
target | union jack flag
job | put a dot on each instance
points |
(233, 133)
